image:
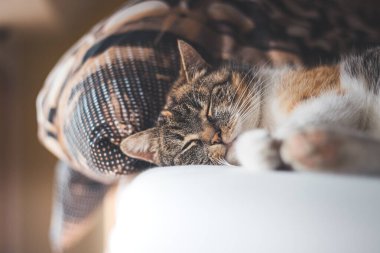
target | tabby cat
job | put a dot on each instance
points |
(322, 118)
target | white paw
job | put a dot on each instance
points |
(315, 149)
(257, 150)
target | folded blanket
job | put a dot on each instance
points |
(113, 82)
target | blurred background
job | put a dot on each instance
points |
(33, 36)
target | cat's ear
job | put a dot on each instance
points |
(142, 145)
(191, 61)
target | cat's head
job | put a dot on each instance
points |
(207, 108)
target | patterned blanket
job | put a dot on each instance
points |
(113, 82)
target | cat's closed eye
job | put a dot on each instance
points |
(190, 144)
(212, 120)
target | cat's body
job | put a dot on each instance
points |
(324, 118)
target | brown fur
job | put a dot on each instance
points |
(300, 85)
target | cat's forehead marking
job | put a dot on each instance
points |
(186, 91)
(240, 83)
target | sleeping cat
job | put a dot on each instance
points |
(323, 118)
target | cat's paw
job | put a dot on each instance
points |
(312, 149)
(257, 150)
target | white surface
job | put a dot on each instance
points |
(208, 209)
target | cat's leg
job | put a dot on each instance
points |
(344, 150)
(329, 149)
(258, 150)
(337, 150)
(311, 149)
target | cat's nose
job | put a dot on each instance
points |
(217, 138)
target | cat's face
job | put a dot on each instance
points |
(205, 111)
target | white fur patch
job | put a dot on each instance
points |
(255, 150)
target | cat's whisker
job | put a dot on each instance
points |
(238, 87)
(253, 105)
(254, 91)
(263, 84)
(245, 110)
(246, 115)
(218, 161)
(213, 161)
(222, 161)
(235, 110)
